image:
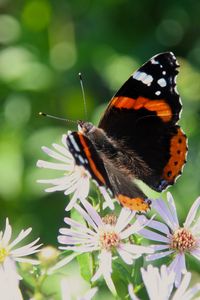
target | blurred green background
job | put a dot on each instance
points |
(43, 46)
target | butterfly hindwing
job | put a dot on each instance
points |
(125, 191)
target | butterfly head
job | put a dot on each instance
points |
(85, 127)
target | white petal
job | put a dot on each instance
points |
(64, 140)
(131, 292)
(28, 260)
(20, 237)
(159, 255)
(9, 282)
(65, 289)
(172, 208)
(178, 266)
(189, 294)
(107, 198)
(151, 235)
(54, 166)
(136, 227)
(72, 202)
(136, 249)
(27, 249)
(89, 295)
(84, 188)
(105, 269)
(155, 225)
(63, 150)
(82, 233)
(192, 213)
(71, 188)
(86, 216)
(81, 249)
(125, 216)
(79, 226)
(127, 257)
(158, 283)
(151, 280)
(92, 212)
(196, 253)
(63, 262)
(159, 247)
(55, 155)
(183, 287)
(61, 187)
(7, 234)
(160, 206)
(67, 179)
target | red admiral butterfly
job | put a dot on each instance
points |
(137, 137)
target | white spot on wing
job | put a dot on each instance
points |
(154, 62)
(164, 72)
(74, 143)
(158, 93)
(162, 82)
(173, 56)
(144, 77)
(81, 159)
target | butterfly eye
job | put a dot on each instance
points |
(85, 127)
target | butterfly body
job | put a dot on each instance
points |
(137, 137)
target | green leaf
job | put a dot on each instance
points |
(75, 215)
(85, 264)
(121, 278)
(137, 279)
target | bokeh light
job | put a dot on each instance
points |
(36, 14)
(9, 29)
(17, 110)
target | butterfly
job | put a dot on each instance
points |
(137, 136)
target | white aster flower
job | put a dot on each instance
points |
(104, 235)
(66, 295)
(159, 285)
(9, 255)
(76, 180)
(172, 238)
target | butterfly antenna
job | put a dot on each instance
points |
(83, 94)
(56, 118)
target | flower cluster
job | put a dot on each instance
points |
(9, 256)
(109, 237)
(112, 237)
(160, 283)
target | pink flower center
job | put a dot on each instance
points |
(183, 240)
(108, 238)
(110, 219)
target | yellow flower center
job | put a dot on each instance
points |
(3, 254)
(183, 240)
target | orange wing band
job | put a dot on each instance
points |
(137, 204)
(178, 152)
(160, 107)
(89, 157)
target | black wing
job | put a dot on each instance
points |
(142, 117)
